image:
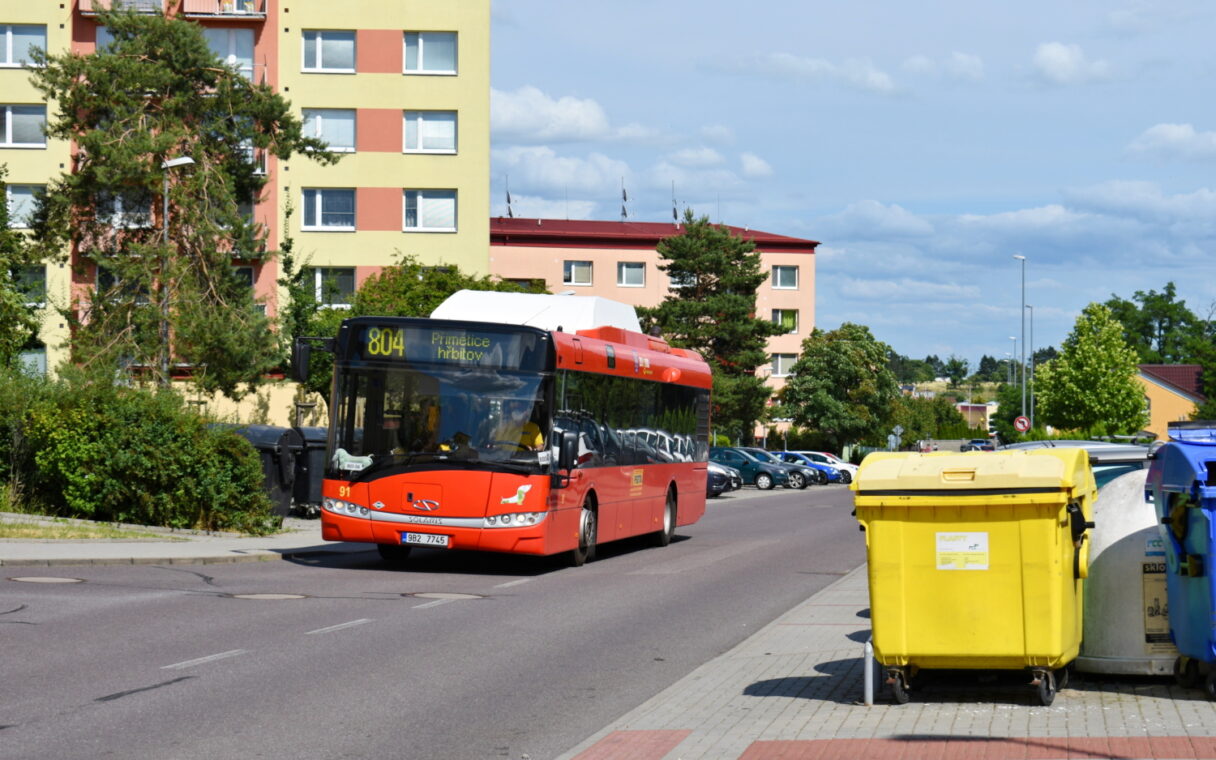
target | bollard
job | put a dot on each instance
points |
(869, 674)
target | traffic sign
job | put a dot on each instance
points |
(1021, 424)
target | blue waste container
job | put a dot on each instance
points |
(1182, 486)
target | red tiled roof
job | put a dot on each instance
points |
(1187, 378)
(567, 233)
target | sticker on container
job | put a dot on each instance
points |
(962, 551)
(1156, 609)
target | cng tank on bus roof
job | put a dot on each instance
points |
(548, 312)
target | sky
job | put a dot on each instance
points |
(923, 145)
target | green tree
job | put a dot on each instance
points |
(18, 321)
(841, 385)
(711, 309)
(909, 370)
(157, 93)
(1156, 325)
(956, 370)
(1091, 386)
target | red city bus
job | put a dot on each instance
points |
(416, 455)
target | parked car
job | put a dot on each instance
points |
(977, 444)
(764, 475)
(722, 479)
(1108, 460)
(800, 475)
(830, 474)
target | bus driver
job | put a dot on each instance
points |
(515, 427)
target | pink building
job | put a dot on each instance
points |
(618, 260)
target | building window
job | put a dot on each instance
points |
(430, 53)
(16, 41)
(103, 40)
(244, 275)
(576, 273)
(110, 285)
(232, 46)
(333, 286)
(22, 126)
(783, 363)
(430, 210)
(688, 280)
(785, 278)
(336, 126)
(329, 51)
(22, 200)
(130, 209)
(630, 274)
(31, 283)
(430, 132)
(329, 208)
(787, 319)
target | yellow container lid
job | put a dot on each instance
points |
(1031, 474)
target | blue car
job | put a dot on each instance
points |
(790, 457)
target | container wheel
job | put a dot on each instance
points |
(1046, 685)
(1186, 672)
(899, 686)
(1063, 675)
(1209, 684)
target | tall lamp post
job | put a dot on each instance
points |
(1031, 309)
(164, 268)
(1022, 314)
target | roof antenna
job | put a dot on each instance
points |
(510, 213)
(624, 200)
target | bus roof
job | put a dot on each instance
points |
(548, 312)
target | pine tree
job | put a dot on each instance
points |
(711, 309)
(156, 93)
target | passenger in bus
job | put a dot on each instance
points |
(516, 427)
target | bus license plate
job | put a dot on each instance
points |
(426, 539)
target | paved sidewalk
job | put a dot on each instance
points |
(794, 690)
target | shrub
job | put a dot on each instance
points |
(102, 452)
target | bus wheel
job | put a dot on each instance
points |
(393, 554)
(664, 536)
(586, 536)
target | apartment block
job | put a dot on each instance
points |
(400, 88)
(619, 260)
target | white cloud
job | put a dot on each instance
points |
(871, 220)
(1175, 141)
(904, 289)
(858, 73)
(696, 158)
(1060, 64)
(718, 133)
(536, 207)
(755, 167)
(540, 168)
(528, 115)
(959, 66)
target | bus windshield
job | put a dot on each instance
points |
(427, 416)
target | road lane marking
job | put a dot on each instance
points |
(435, 603)
(201, 660)
(340, 626)
(508, 584)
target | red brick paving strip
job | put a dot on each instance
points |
(1038, 748)
(635, 745)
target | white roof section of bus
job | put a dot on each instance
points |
(548, 312)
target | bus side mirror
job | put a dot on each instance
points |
(301, 354)
(567, 453)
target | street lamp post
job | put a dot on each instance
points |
(1022, 315)
(164, 266)
(1031, 309)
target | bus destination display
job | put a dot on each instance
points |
(437, 345)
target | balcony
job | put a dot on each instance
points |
(234, 10)
(90, 7)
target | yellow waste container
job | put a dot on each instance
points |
(976, 560)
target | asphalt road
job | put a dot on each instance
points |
(460, 656)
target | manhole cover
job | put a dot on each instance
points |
(268, 596)
(443, 595)
(46, 579)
